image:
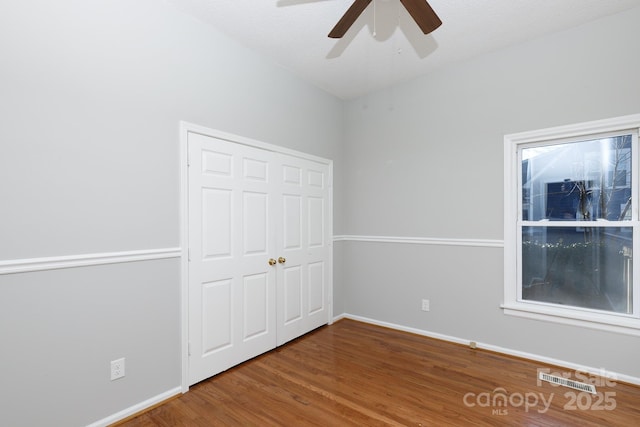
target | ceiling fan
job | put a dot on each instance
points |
(419, 10)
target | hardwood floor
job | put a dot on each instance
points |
(356, 374)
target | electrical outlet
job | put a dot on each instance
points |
(117, 369)
(425, 305)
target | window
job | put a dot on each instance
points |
(572, 225)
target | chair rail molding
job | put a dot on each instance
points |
(84, 260)
(487, 243)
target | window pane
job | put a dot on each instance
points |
(588, 267)
(579, 181)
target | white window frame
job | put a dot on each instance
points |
(513, 303)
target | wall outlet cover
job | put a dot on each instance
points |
(117, 369)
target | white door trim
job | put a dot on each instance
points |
(185, 129)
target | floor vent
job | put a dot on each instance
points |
(567, 383)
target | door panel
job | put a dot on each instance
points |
(231, 236)
(216, 225)
(316, 287)
(316, 222)
(255, 169)
(305, 244)
(254, 223)
(256, 305)
(216, 315)
(292, 282)
(292, 238)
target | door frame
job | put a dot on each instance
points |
(185, 129)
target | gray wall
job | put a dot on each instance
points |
(426, 160)
(91, 95)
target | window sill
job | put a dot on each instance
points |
(600, 321)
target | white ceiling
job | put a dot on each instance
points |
(385, 46)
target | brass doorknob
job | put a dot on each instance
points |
(282, 260)
(272, 261)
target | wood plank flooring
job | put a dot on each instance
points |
(356, 374)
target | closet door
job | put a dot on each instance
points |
(232, 230)
(259, 224)
(303, 243)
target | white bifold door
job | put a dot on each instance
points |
(259, 224)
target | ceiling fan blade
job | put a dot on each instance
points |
(423, 14)
(349, 18)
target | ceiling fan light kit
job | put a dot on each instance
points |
(420, 11)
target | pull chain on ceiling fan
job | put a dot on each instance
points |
(419, 10)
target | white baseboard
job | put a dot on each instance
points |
(132, 410)
(616, 376)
